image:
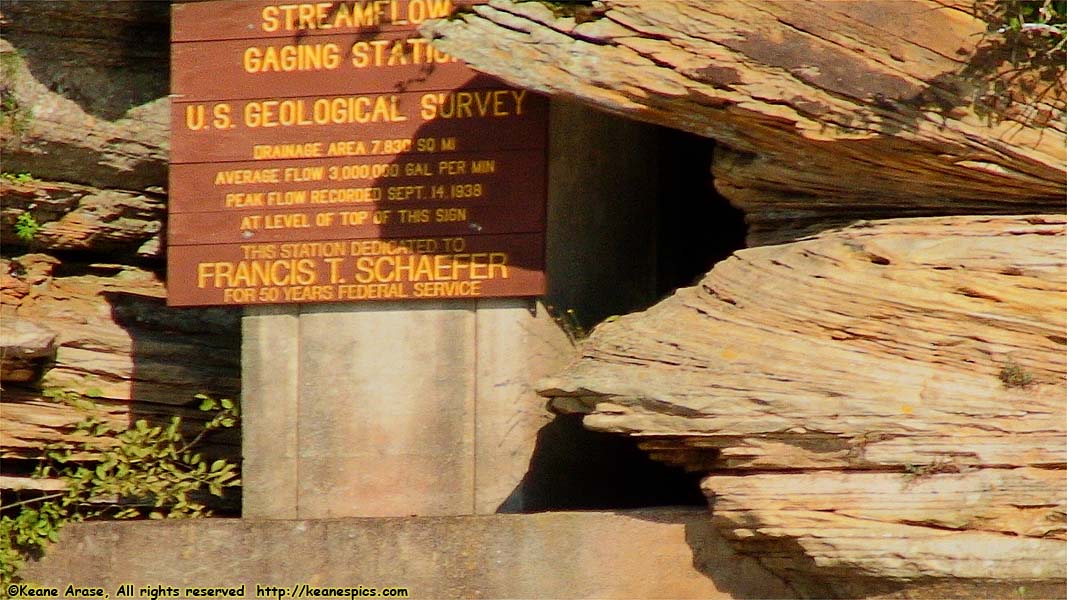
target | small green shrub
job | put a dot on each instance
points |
(1034, 18)
(569, 323)
(140, 471)
(1022, 57)
(26, 227)
(18, 177)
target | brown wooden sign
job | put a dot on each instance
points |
(324, 152)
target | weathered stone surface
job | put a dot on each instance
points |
(115, 329)
(855, 533)
(86, 118)
(825, 112)
(24, 347)
(899, 380)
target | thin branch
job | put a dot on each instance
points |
(32, 500)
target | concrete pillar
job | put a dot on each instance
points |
(270, 402)
(427, 408)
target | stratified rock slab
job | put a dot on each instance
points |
(887, 400)
(24, 348)
(825, 112)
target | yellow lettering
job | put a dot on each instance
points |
(286, 220)
(499, 260)
(399, 261)
(520, 96)
(429, 107)
(246, 176)
(305, 16)
(333, 15)
(257, 273)
(450, 215)
(270, 18)
(241, 295)
(471, 104)
(243, 200)
(289, 58)
(276, 151)
(290, 16)
(449, 289)
(365, 269)
(324, 111)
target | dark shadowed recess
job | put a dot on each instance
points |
(576, 469)
(573, 468)
(696, 226)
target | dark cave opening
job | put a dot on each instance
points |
(696, 227)
(574, 468)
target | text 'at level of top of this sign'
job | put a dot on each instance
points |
(323, 151)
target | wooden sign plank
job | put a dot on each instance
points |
(358, 222)
(509, 177)
(346, 270)
(197, 21)
(358, 125)
(393, 62)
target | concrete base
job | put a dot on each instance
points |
(389, 409)
(642, 554)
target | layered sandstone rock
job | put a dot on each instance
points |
(824, 112)
(113, 341)
(25, 350)
(879, 409)
(873, 406)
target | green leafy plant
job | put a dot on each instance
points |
(569, 323)
(141, 471)
(1034, 18)
(18, 177)
(26, 227)
(1022, 58)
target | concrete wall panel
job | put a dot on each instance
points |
(517, 342)
(387, 408)
(641, 554)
